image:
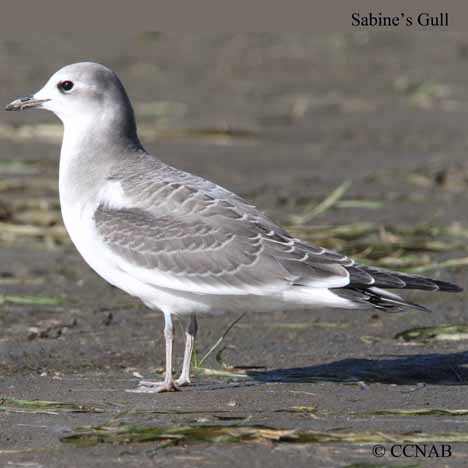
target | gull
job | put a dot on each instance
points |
(178, 242)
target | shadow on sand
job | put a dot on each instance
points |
(435, 369)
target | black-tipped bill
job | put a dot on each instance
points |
(25, 103)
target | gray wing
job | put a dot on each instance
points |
(220, 256)
(185, 232)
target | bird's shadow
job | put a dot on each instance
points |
(434, 369)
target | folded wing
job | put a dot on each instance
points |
(224, 255)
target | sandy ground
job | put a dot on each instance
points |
(299, 115)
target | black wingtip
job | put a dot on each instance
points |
(448, 287)
(412, 305)
(400, 305)
(387, 279)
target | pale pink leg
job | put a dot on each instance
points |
(148, 386)
(190, 335)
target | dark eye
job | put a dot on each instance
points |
(66, 85)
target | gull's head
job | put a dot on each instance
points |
(79, 90)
